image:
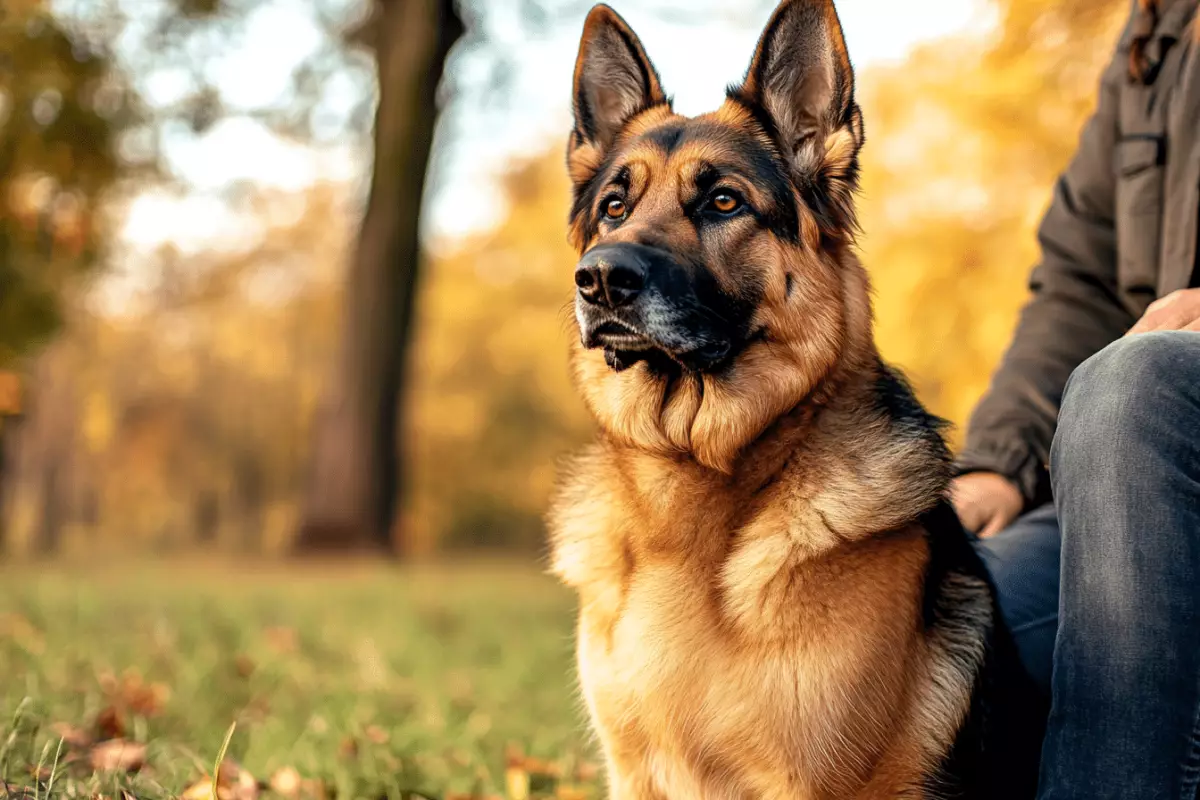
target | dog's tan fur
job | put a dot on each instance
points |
(749, 571)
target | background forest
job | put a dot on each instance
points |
(177, 317)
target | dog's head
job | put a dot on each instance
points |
(716, 288)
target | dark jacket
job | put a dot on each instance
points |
(1119, 233)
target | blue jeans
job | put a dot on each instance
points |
(1103, 598)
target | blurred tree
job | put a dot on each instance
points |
(356, 476)
(63, 110)
(355, 471)
(491, 404)
(92, 95)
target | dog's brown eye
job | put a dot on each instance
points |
(615, 209)
(726, 203)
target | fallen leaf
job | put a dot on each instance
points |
(118, 754)
(13, 791)
(536, 766)
(516, 783)
(587, 771)
(148, 700)
(110, 723)
(131, 692)
(200, 790)
(42, 774)
(348, 749)
(286, 781)
(72, 735)
(233, 783)
(241, 785)
(244, 665)
(281, 639)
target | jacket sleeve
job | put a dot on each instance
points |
(1074, 310)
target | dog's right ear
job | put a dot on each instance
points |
(802, 82)
(614, 81)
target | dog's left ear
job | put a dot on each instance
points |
(802, 82)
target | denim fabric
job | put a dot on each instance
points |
(1124, 671)
(1024, 562)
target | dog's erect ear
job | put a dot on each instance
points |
(802, 83)
(614, 80)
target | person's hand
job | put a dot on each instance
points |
(1178, 311)
(986, 502)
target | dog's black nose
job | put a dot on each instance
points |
(610, 276)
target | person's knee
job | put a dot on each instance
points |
(1115, 397)
(1130, 369)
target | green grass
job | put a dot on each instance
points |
(376, 681)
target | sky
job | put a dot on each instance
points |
(530, 114)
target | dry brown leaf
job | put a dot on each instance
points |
(244, 665)
(286, 781)
(118, 754)
(131, 693)
(41, 775)
(200, 790)
(281, 639)
(587, 771)
(233, 783)
(516, 783)
(239, 783)
(110, 723)
(150, 700)
(537, 766)
(376, 734)
(348, 749)
(72, 735)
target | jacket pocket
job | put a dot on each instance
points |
(1139, 209)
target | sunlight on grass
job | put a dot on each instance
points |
(352, 681)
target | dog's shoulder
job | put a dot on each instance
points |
(911, 421)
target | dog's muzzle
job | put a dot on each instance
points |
(634, 301)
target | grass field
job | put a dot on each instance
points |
(363, 681)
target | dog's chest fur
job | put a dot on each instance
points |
(751, 641)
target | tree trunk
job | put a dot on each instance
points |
(355, 473)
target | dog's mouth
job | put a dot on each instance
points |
(625, 345)
(616, 335)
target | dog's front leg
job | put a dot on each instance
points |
(629, 773)
(635, 784)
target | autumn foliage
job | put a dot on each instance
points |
(184, 418)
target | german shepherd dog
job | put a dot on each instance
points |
(776, 600)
